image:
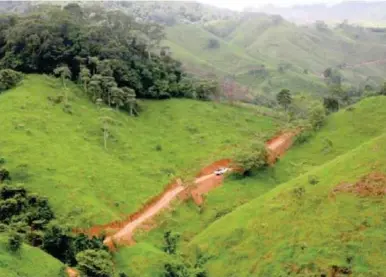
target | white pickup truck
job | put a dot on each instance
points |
(221, 171)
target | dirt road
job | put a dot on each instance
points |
(124, 236)
(204, 183)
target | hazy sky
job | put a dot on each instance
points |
(240, 4)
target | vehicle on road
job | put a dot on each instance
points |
(221, 171)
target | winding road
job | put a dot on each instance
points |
(203, 184)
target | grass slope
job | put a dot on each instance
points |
(281, 234)
(62, 156)
(357, 123)
(28, 262)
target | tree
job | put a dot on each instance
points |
(84, 77)
(95, 263)
(57, 241)
(64, 72)
(171, 240)
(331, 104)
(317, 117)
(252, 158)
(284, 98)
(15, 241)
(130, 100)
(213, 43)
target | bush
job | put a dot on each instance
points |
(303, 137)
(313, 180)
(253, 158)
(4, 175)
(317, 117)
(15, 242)
(9, 78)
(95, 263)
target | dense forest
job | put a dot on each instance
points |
(115, 58)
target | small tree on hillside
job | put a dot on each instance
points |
(15, 242)
(317, 117)
(64, 72)
(130, 100)
(84, 77)
(253, 158)
(284, 98)
(331, 104)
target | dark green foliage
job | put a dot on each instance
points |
(95, 263)
(284, 98)
(108, 51)
(313, 180)
(57, 241)
(171, 240)
(63, 245)
(180, 266)
(4, 175)
(303, 137)
(17, 206)
(9, 78)
(331, 104)
(15, 241)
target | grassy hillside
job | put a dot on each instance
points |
(330, 143)
(62, 155)
(28, 262)
(291, 56)
(300, 229)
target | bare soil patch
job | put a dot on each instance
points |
(373, 184)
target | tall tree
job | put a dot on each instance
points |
(284, 98)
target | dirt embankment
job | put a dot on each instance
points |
(121, 232)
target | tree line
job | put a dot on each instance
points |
(114, 57)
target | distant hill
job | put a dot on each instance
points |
(354, 11)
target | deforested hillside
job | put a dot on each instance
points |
(66, 155)
(342, 133)
(326, 221)
(325, 227)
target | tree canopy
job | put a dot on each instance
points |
(114, 57)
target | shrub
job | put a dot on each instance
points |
(317, 117)
(313, 180)
(95, 263)
(4, 175)
(252, 158)
(15, 242)
(303, 137)
(9, 78)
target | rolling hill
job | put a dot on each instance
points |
(62, 156)
(225, 227)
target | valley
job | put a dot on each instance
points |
(179, 139)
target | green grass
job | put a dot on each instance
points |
(280, 233)
(252, 41)
(62, 156)
(141, 259)
(27, 262)
(347, 130)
